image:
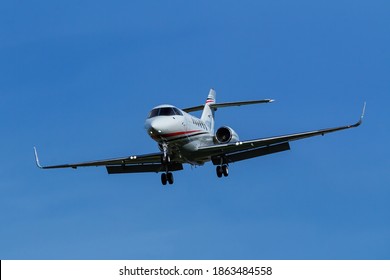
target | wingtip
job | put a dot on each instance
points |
(363, 111)
(36, 158)
(361, 116)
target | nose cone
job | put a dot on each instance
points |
(154, 127)
(162, 128)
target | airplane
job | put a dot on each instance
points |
(185, 139)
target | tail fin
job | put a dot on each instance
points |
(208, 112)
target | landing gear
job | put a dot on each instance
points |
(170, 178)
(225, 170)
(222, 170)
(165, 158)
(219, 171)
(167, 177)
(164, 179)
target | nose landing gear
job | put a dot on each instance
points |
(165, 158)
(166, 177)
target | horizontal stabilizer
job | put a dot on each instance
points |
(240, 103)
(227, 104)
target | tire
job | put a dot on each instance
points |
(170, 178)
(164, 179)
(225, 170)
(219, 171)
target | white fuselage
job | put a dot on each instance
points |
(181, 132)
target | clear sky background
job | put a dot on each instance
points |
(77, 79)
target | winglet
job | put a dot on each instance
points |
(37, 159)
(364, 110)
(361, 116)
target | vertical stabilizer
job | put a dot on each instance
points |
(208, 113)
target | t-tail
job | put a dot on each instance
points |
(209, 111)
(211, 106)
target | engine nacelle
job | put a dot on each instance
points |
(225, 135)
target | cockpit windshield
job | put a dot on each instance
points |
(165, 111)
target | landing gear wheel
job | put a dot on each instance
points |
(219, 171)
(164, 179)
(170, 178)
(225, 170)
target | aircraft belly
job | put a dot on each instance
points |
(189, 150)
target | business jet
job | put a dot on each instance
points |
(185, 139)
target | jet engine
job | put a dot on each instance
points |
(225, 135)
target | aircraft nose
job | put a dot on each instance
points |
(154, 127)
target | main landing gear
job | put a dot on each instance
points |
(167, 177)
(222, 170)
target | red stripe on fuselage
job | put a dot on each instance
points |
(179, 133)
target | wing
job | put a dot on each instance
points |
(237, 151)
(130, 164)
(227, 104)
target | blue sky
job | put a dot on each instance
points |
(77, 79)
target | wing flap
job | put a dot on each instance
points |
(141, 168)
(238, 156)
